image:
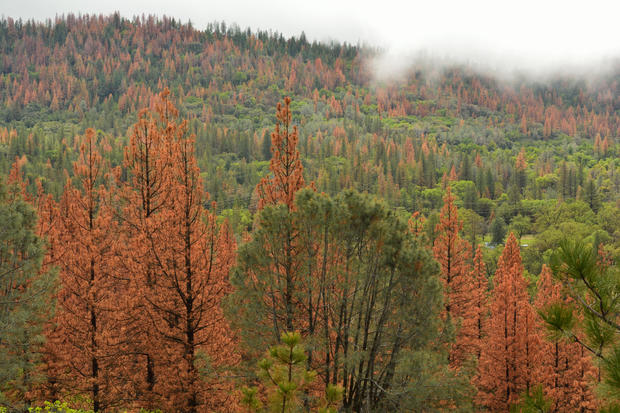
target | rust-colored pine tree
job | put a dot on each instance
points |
(416, 224)
(521, 162)
(84, 347)
(285, 166)
(512, 350)
(193, 257)
(567, 367)
(179, 261)
(453, 255)
(476, 312)
(143, 196)
(524, 124)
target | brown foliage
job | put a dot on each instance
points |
(287, 172)
(179, 262)
(512, 350)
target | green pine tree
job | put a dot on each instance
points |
(365, 294)
(498, 230)
(593, 320)
(285, 379)
(25, 297)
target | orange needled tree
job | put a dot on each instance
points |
(85, 343)
(287, 172)
(567, 366)
(181, 265)
(476, 313)
(143, 197)
(511, 353)
(453, 254)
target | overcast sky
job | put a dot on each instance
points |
(516, 34)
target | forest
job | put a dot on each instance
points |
(228, 220)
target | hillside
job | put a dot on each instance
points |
(536, 158)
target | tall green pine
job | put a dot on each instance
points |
(25, 297)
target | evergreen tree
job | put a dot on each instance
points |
(498, 230)
(475, 318)
(356, 269)
(86, 349)
(593, 287)
(266, 147)
(466, 169)
(591, 195)
(567, 368)
(144, 194)
(563, 183)
(453, 255)
(26, 297)
(286, 378)
(511, 353)
(490, 183)
(180, 263)
(285, 163)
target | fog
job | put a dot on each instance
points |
(525, 37)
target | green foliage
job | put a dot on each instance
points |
(25, 296)
(611, 365)
(611, 408)
(286, 380)
(431, 384)
(559, 319)
(498, 231)
(533, 402)
(595, 289)
(249, 398)
(362, 258)
(228, 81)
(239, 219)
(56, 407)
(520, 225)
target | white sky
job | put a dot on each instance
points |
(507, 34)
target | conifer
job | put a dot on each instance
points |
(511, 354)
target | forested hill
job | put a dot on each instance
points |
(445, 242)
(511, 149)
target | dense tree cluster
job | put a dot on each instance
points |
(384, 247)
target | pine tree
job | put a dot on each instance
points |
(476, 314)
(466, 169)
(193, 255)
(490, 183)
(356, 270)
(511, 352)
(143, 197)
(591, 319)
(453, 255)
(563, 183)
(26, 297)
(498, 230)
(568, 370)
(285, 376)
(591, 195)
(266, 147)
(85, 342)
(48, 225)
(285, 163)
(179, 262)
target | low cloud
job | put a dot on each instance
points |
(507, 39)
